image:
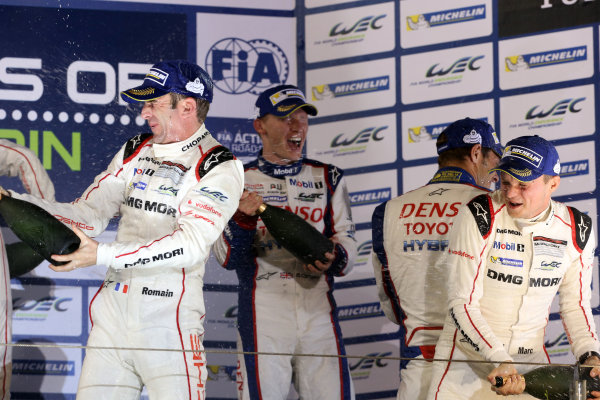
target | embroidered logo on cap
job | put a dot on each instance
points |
(157, 75)
(525, 154)
(195, 87)
(472, 137)
(285, 94)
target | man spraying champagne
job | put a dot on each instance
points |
(284, 305)
(509, 253)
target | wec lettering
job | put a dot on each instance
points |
(361, 137)
(560, 108)
(361, 25)
(457, 67)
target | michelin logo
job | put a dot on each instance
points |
(574, 168)
(545, 58)
(366, 197)
(445, 17)
(524, 154)
(348, 88)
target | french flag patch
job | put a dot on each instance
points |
(119, 289)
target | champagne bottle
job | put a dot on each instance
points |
(21, 258)
(553, 382)
(295, 234)
(38, 229)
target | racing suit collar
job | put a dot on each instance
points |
(178, 148)
(545, 217)
(278, 170)
(454, 175)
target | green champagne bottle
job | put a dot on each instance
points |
(38, 228)
(553, 382)
(21, 258)
(295, 234)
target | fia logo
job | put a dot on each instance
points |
(238, 66)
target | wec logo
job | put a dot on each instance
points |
(361, 25)
(457, 67)
(559, 108)
(361, 137)
(238, 66)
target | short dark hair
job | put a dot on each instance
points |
(202, 105)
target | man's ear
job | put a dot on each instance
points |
(188, 106)
(476, 153)
(258, 126)
(554, 182)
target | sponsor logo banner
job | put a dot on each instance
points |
(367, 85)
(349, 33)
(36, 308)
(423, 23)
(420, 128)
(446, 74)
(578, 169)
(549, 113)
(530, 16)
(245, 64)
(548, 58)
(370, 373)
(45, 369)
(59, 87)
(359, 311)
(366, 191)
(354, 143)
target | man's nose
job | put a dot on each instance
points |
(146, 113)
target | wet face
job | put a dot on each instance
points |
(484, 177)
(162, 119)
(283, 138)
(527, 199)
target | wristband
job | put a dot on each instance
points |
(583, 358)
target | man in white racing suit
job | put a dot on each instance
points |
(509, 254)
(285, 306)
(175, 190)
(410, 233)
(16, 161)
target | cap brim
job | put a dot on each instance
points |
(520, 173)
(142, 93)
(309, 108)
